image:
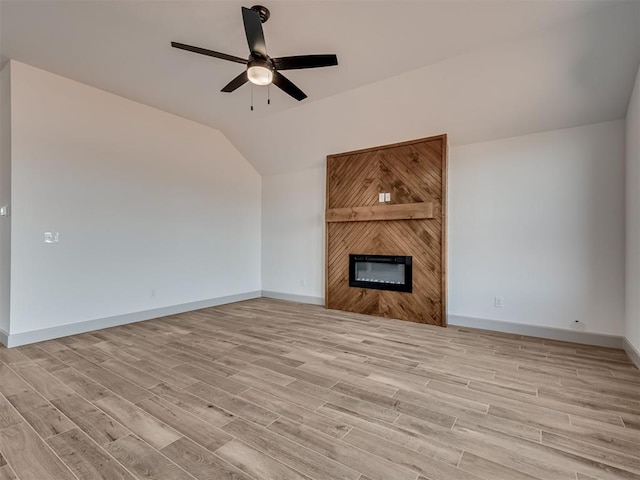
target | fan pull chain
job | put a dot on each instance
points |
(269, 94)
(252, 97)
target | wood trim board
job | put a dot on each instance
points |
(443, 212)
(407, 211)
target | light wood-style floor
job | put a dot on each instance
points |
(266, 389)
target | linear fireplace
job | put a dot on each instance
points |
(381, 272)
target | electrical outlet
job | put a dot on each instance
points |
(498, 302)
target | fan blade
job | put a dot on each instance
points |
(253, 29)
(305, 61)
(236, 82)
(287, 86)
(211, 53)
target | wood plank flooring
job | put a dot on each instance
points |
(268, 389)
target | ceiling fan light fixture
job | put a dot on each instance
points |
(260, 72)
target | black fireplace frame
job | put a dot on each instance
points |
(395, 259)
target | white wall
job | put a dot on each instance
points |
(536, 219)
(293, 233)
(5, 195)
(539, 221)
(142, 200)
(632, 319)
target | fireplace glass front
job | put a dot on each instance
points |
(382, 272)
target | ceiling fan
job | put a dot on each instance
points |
(261, 68)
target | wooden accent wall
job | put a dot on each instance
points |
(412, 223)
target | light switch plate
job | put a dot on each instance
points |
(387, 197)
(381, 197)
(4, 211)
(51, 237)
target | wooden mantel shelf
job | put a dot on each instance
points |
(405, 211)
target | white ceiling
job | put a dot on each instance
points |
(476, 69)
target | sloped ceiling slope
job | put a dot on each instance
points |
(478, 70)
(577, 73)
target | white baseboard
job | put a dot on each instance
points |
(588, 338)
(552, 333)
(34, 336)
(293, 297)
(634, 354)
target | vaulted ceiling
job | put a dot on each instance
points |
(475, 69)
